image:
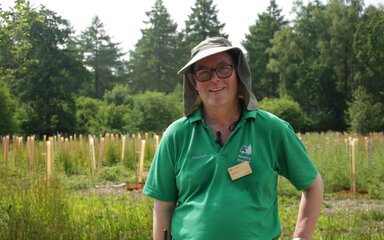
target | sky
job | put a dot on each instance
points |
(123, 19)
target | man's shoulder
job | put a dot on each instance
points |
(270, 121)
(178, 127)
(179, 124)
(268, 116)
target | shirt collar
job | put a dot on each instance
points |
(198, 114)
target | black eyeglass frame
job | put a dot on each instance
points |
(218, 74)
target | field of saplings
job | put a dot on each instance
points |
(89, 187)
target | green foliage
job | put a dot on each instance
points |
(87, 115)
(111, 118)
(364, 115)
(43, 80)
(119, 95)
(176, 97)
(15, 29)
(369, 52)
(304, 58)
(97, 117)
(7, 111)
(78, 182)
(285, 108)
(154, 111)
(376, 182)
(150, 112)
(110, 174)
(320, 59)
(284, 59)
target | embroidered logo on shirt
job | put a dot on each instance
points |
(246, 149)
(245, 153)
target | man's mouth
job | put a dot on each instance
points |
(216, 89)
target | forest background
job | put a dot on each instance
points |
(323, 70)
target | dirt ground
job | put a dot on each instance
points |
(338, 202)
(122, 188)
(352, 203)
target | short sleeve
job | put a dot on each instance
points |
(293, 160)
(161, 180)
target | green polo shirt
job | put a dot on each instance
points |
(190, 168)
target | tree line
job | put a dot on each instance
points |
(323, 69)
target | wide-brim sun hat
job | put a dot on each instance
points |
(206, 48)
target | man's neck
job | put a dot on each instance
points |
(222, 117)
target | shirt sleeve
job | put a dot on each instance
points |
(161, 180)
(293, 160)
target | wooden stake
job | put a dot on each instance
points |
(156, 141)
(141, 162)
(138, 136)
(66, 145)
(101, 153)
(369, 149)
(353, 165)
(60, 139)
(48, 163)
(134, 151)
(31, 151)
(6, 149)
(20, 142)
(92, 154)
(52, 140)
(122, 148)
(81, 145)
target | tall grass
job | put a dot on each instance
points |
(31, 209)
(67, 209)
(330, 152)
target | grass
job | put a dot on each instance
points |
(30, 209)
(72, 207)
(342, 217)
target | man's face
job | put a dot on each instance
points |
(221, 89)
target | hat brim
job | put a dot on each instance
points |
(204, 54)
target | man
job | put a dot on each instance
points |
(214, 175)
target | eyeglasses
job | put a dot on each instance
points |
(222, 71)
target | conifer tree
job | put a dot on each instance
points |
(154, 62)
(102, 57)
(202, 23)
(258, 41)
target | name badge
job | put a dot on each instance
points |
(240, 170)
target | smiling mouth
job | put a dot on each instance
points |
(216, 89)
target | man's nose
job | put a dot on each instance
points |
(214, 76)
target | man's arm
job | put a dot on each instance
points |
(162, 216)
(309, 211)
